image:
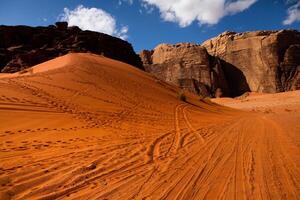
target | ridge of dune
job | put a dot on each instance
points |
(73, 59)
(83, 126)
(64, 61)
(55, 63)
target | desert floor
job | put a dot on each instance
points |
(86, 127)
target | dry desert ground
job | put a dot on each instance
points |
(83, 126)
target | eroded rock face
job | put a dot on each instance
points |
(289, 69)
(22, 46)
(261, 61)
(186, 65)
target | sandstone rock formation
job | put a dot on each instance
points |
(24, 46)
(229, 64)
(289, 69)
(187, 65)
(261, 61)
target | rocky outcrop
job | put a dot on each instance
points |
(187, 65)
(24, 46)
(231, 63)
(146, 57)
(261, 61)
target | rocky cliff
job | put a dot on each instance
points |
(187, 65)
(233, 63)
(24, 46)
(262, 61)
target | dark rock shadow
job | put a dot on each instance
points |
(235, 78)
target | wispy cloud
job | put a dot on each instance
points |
(293, 13)
(94, 19)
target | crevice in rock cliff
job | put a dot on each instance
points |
(236, 79)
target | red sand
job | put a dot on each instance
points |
(86, 127)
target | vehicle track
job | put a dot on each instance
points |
(113, 132)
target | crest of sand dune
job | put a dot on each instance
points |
(87, 127)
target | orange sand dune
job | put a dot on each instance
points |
(86, 127)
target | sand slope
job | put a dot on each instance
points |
(86, 127)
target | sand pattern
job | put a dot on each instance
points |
(96, 128)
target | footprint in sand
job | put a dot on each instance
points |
(7, 132)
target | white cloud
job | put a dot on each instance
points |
(94, 19)
(184, 12)
(293, 14)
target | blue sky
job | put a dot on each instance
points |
(147, 23)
